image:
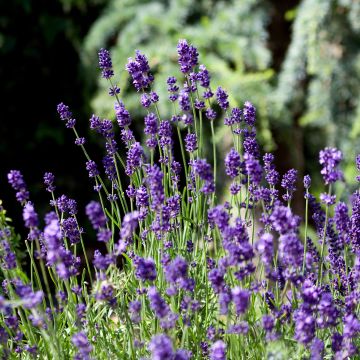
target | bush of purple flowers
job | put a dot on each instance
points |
(183, 277)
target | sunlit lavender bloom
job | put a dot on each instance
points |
(291, 249)
(317, 349)
(102, 262)
(307, 181)
(222, 98)
(288, 182)
(29, 298)
(49, 179)
(151, 125)
(157, 303)
(71, 230)
(134, 158)
(218, 350)
(154, 181)
(145, 269)
(138, 69)
(240, 298)
(8, 258)
(327, 199)
(232, 163)
(203, 76)
(188, 56)
(283, 220)
(165, 133)
(249, 113)
(218, 216)
(105, 64)
(330, 159)
(109, 167)
(17, 182)
(266, 248)
(84, 348)
(30, 216)
(351, 326)
(203, 170)
(304, 326)
(184, 100)
(161, 348)
(355, 222)
(253, 169)
(92, 168)
(190, 143)
(172, 88)
(122, 115)
(96, 215)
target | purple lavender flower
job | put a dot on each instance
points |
(176, 272)
(184, 101)
(330, 159)
(290, 249)
(266, 249)
(8, 258)
(122, 115)
(105, 64)
(134, 158)
(253, 169)
(355, 222)
(129, 225)
(151, 124)
(232, 163)
(191, 143)
(157, 303)
(66, 115)
(71, 230)
(154, 181)
(240, 298)
(96, 215)
(29, 298)
(145, 269)
(288, 182)
(304, 325)
(222, 98)
(161, 348)
(138, 69)
(268, 323)
(92, 168)
(249, 113)
(84, 348)
(218, 351)
(203, 76)
(17, 182)
(102, 262)
(317, 349)
(307, 181)
(188, 56)
(49, 179)
(172, 88)
(283, 220)
(145, 100)
(30, 216)
(203, 170)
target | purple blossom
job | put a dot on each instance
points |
(92, 168)
(96, 215)
(138, 69)
(241, 299)
(307, 181)
(184, 101)
(151, 124)
(122, 115)
(17, 182)
(105, 64)
(84, 348)
(154, 181)
(222, 98)
(145, 269)
(49, 179)
(71, 230)
(288, 182)
(157, 303)
(330, 158)
(161, 348)
(134, 158)
(30, 216)
(134, 310)
(232, 163)
(188, 56)
(283, 220)
(249, 113)
(304, 326)
(102, 262)
(218, 350)
(203, 76)
(191, 143)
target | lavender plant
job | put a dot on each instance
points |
(183, 276)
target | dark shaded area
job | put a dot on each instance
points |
(39, 68)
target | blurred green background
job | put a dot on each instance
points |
(297, 61)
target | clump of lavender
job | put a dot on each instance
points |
(179, 274)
